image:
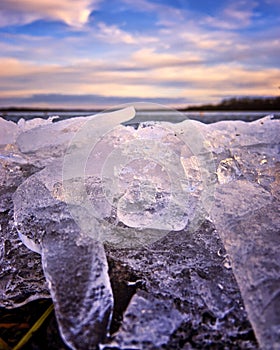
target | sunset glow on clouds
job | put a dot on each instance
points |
(84, 53)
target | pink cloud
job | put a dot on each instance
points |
(72, 12)
(236, 15)
(115, 35)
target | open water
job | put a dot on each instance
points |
(165, 115)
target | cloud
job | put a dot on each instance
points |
(165, 15)
(273, 2)
(110, 80)
(150, 58)
(113, 34)
(236, 15)
(82, 101)
(72, 12)
(11, 67)
(162, 10)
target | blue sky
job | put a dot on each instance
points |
(98, 53)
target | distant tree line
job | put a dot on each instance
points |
(241, 104)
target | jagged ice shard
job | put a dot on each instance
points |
(74, 261)
(155, 190)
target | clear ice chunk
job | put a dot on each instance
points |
(25, 125)
(21, 275)
(246, 218)
(46, 141)
(74, 264)
(8, 132)
(77, 275)
(75, 267)
(156, 177)
(246, 215)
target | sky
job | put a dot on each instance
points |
(102, 53)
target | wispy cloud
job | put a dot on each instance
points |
(161, 10)
(88, 101)
(148, 57)
(115, 35)
(72, 12)
(237, 14)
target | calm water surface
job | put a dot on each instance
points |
(206, 117)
